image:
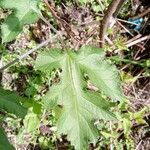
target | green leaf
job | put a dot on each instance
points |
(23, 12)
(85, 1)
(32, 119)
(80, 107)
(101, 73)
(31, 122)
(127, 126)
(9, 101)
(4, 143)
(49, 60)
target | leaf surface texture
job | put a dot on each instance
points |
(9, 102)
(80, 107)
(23, 12)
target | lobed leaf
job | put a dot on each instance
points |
(101, 73)
(80, 107)
(47, 61)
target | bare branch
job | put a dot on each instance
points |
(111, 13)
(134, 41)
(147, 37)
(145, 12)
(58, 16)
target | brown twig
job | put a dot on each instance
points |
(111, 13)
(58, 16)
(134, 42)
(134, 38)
(142, 14)
(122, 26)
(147, 37)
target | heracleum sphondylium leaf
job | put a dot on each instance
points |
(23, 12)
(80, 107)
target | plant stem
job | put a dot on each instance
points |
(147, 37)
(145, 12)
(27, 53)
(111, 13)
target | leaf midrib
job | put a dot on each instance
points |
(70, 66)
